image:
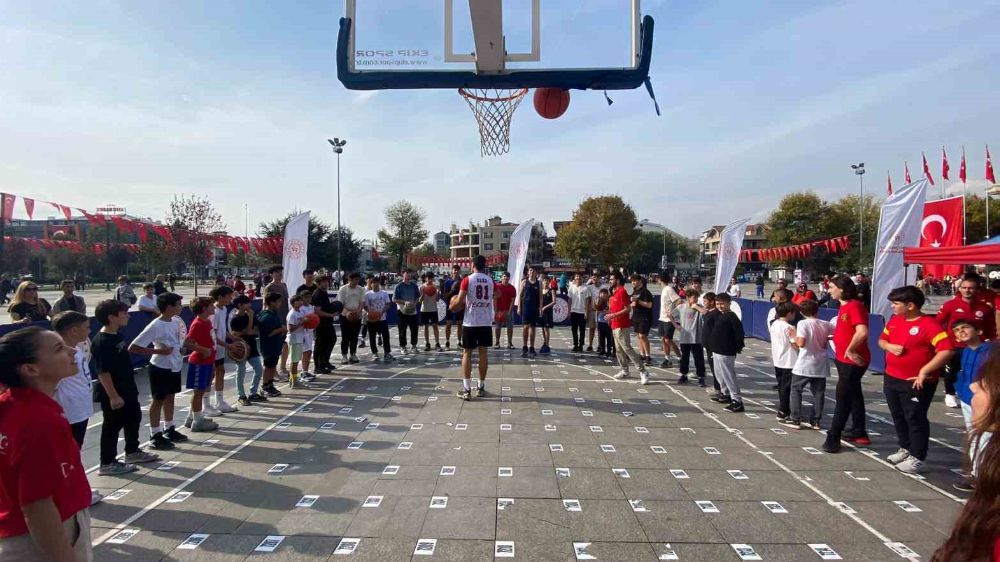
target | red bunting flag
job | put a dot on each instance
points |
(96, 219)
(29, 207)
(927, 169)
(7, 210)
(945, 168)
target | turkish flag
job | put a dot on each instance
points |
(906, 173)
(927, 169)
(961, 168)
(29, 207)
(945, 168)
(942, 227)
(8, 206)
(989, 167)
(889, 188)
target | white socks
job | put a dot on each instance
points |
(218, 396)
(466, 384)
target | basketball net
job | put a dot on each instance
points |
(493, 109)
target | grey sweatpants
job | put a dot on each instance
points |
(817, 385)
(725, 372)
(624, 351)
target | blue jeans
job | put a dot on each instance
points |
(241, 372)
(760, 291)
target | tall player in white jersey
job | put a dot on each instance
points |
(475, 295)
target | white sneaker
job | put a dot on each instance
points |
(621, 375)
(225, 407)
(307, 374)
(95, 497)
(403, 351)
(345, 361)
(951, 401)
(898, 457)
(210, 412)
(643, 377)
(912, 465)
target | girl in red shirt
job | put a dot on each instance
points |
(44, 493)
(850, 339)
(975, 536)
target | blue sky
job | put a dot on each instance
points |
(132, 102)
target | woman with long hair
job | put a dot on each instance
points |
(975, 536)
(44, 493)
(27, 306)
(850, 338)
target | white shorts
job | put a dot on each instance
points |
(308, 339)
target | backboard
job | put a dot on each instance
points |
(569, 44)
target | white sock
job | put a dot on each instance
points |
(198, 416)
(218, 396)
(482, 384)
(165, 425)
(205, 402)
(465, 384)
(153, 431)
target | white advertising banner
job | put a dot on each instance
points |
(729, 253)
(519, 240)
(899, 226)
(296, 249)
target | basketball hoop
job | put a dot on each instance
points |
(493, 108)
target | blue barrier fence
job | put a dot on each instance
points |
(754, 325)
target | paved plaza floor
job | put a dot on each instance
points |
(563, 462)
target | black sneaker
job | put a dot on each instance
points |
(244, 401)
(176, 436)
(427, 347)
(161, 443)
(272, 392)
(464, 394)
(437, 347)
(255, 397)
(447, 344)
(702, 383)
(362, 343)
(966, 484)
(666, 364)
(524, 352)
(531, 351)
(831, 446)
(683, 379)
(590, 349)
(736, 407)
(720, 398)
(481, 392)
(781, 416)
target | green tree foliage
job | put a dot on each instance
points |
(403, 232)
(192, 221)
(322, 241)
(601, 228)
(644, 256)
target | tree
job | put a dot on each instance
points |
(322, 242)
(842, 218)
(404, 231)
(797, 220)
(154, 256)
(644, 256)
(65, 262)
(603, 228)
(192, 221)
(975, 218)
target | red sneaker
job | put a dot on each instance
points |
(862, 440)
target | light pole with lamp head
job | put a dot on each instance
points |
(859, 170)
(338, 149)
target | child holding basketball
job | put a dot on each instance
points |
(244, 327)
(377, 304)
(272, 329)
(201, 362)
(308, 334)
(429, 297)
(223, 296)
(295, 337)
(166, 334)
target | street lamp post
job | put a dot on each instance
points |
(859, 170)
(338, 149)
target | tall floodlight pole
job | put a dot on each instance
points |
(859, 170)
(338, 149)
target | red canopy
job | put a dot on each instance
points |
(987, 252)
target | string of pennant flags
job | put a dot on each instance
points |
(142, 229)
(831, 245)
(412, 260)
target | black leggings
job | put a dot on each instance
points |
(79, 431)
(408, 322)
(909, 413)
(951, 372)
(578, 324)
(349, 331)
(687, 350)
(784, 377)
(126, 418)
(850, 401)
(326, 338)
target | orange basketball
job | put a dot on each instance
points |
(239, 351)
(311, 321)
(430, 291)
(551, 103)
(374, 316)
(456, 304)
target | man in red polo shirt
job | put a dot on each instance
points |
(965, 306)
(505, 295)
(916, 348)
(619, 307)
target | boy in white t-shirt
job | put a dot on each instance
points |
(147, 302)
(74, 393)
(784, 352)
(166, 334)
(376, 306)
(308, 336)
(812, 366)
(295, 337)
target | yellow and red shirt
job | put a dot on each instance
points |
(849, 316)
(979, 313)
(38, 459)
(922, 338)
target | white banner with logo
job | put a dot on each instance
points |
(729, 253)
(519, 240)
(295, 250)
(898, 228)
